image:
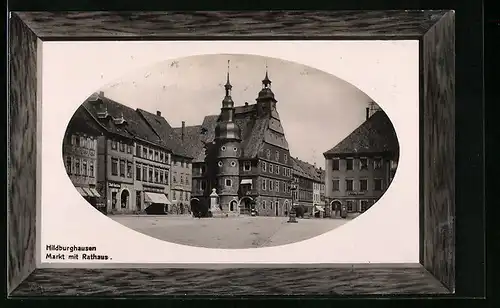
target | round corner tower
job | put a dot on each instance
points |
(228, 139)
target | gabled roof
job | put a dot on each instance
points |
(375, 135)
(134, 127)
(81, 121)
(252, 133)
(306, 170)
(171, 140)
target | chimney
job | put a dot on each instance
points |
(158, 113)
(367, 113)
(182, 130)
(101, 93)
(246, 103)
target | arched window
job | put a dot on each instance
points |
(124, 199)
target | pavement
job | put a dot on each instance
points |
(230, 233)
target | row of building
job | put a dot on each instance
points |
(125, 160)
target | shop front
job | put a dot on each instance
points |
(92, 196)
(155, 200)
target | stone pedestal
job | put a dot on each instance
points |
(215, 206)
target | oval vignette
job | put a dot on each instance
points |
(230, 151)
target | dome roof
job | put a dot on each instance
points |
(227, 130)
(265, 93)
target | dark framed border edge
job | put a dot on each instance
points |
(22, 252)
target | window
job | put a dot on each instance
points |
(219, 163)
(73, 140)
(113, 144)
(363, 185)
(202, 170)
(363, 164)
(364, 205)
(228, 183)
(271, 185)
(203, 185)
(349, 185)
(175, 195)
(157, 156)
(150, 154)
(277, 156)
(285, 158)
(271, 168)
(84, 167)
(166, 177)
(138, 172)
(113, 200)
(336, 164)
(114, 166)
(91, 169)
(233, 164)
(175, 177)
(122, 168)
(69, 164)
(129, 169)
(223, 148)
(277, 169)
(182, 179)
(144, 174)
(264, 204)
(157, 176)
(377, 163)
(187, 180)
(277, 186)
(277, 204)
(335, 185)
(271, 204)
(138, 150)
(150, 173)
(349, 164)
(161, 157)
(89, 143)
(144, 152)
(264, 181)
(129, 149)
(235, 149)
(264, 166)
(350, 205)
(268, 154)
(82, 142)
(247, 166)
(377, 184)
(122, 147)
(160, 180)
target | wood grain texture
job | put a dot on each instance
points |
(439, 150)
(229, 282)
(22, 159)
(71, 25)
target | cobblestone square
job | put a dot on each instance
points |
(230, 233)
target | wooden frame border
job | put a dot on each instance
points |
(435, 31)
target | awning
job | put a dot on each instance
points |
(96, 194)
(88, 192)
(320, 208)
(246, 181)
(156, 198)
(80, 190)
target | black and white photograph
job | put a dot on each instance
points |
(230, 151)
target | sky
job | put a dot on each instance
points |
(317, 110)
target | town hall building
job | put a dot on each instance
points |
(243, 154)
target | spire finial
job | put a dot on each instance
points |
(266, 82)
(228, 85)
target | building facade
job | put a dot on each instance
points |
(80, 157)
(242, 152)
(134, 161)
(360, 168)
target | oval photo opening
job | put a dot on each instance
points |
(230, 151)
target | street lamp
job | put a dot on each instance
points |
(292, 214)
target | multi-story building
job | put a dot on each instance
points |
(181, 163)
(243, 154)
(308, 178)
(80, 156)
(360, 168)
(134, 161)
